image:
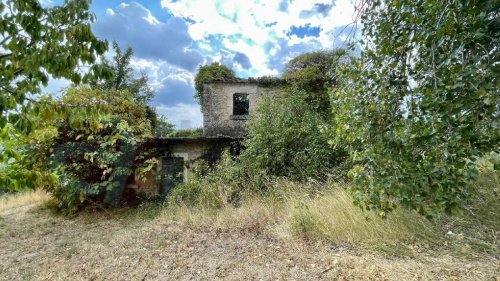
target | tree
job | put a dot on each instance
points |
(124, 79)
(286, 136)
(313, 66)
(37, 43)
(123, 76)
(421, 103)
(207, 73)
(163, 128)
(311, 72)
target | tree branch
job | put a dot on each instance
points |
(7, 89)
(5, 40)
(2, 56)
(19, 71)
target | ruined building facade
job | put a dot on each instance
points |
(227, 106)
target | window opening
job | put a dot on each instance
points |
(241, 104)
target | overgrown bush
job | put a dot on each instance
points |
(226, 183)
(312, 72)
(95, 146)
(287, 140)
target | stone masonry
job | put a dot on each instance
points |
(218, 106)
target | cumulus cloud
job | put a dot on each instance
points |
(283, 6)
(164, 51)
(243, 60)
(267, 32)
(253, 37)
(318, 8)
(285, 51)
(134, 25)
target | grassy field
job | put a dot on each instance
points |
(293, 235)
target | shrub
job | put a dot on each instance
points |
(93, 152)
(287, 140)
(224, 184)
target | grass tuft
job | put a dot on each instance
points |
(15, 200)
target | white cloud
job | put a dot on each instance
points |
(179, 112)
(134, 25)
(170, 50)
(257, 24)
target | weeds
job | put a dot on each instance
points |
(9, 201)
(314, 211)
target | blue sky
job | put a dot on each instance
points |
(172, 38)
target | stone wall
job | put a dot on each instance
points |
(218, 118)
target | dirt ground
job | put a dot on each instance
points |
(38, 245)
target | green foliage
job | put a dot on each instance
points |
(17, 170)
(287, 140)
(313, 67)
(421, 103)
(123, 76)
(224, 184)
(207, 73)
(311, 73)
(37, 43)
(93, 154)
(162, 127)
(123, 79)
(215, 188)
(303, 223)
(197, 132)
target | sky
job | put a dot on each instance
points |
(172, 38)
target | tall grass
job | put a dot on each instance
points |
(325, 212)
(315, 211)
(333, 216)
(14, 200)
(299, 210)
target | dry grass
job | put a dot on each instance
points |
(296, 233)
(334, 217)
(254, 215)
(330, 215)
(298, 212)
(12, 201)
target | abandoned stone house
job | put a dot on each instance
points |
(227, 105)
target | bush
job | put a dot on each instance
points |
(225, 184)
(287, 140)
(93, 152)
